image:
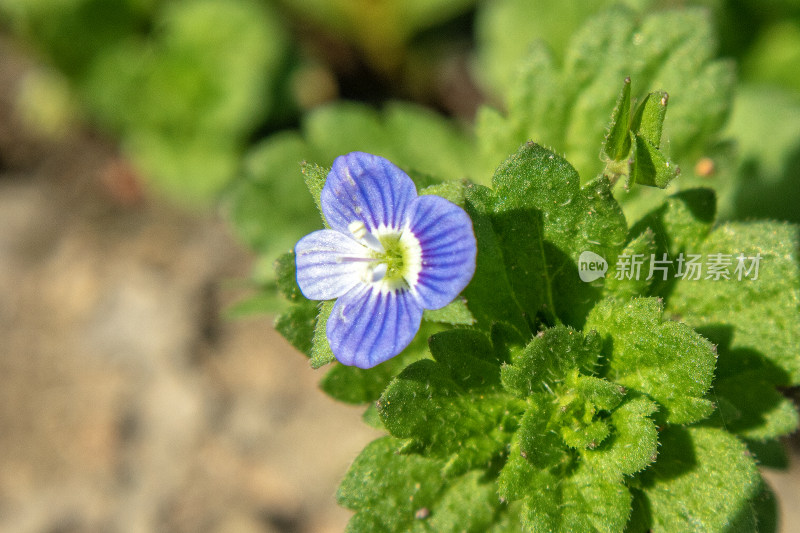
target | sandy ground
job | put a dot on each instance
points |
(127, 404)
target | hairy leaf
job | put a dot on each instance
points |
(755, 321)
(297, 325)
(666, 360)
(490, 295)
(548, 359)
(632, 446)
(579, 501)
(535, 182)
(438, 409)
(697, 461)
(392, 492)
(321, 353)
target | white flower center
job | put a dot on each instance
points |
(394, 256)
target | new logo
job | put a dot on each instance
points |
(591, 266)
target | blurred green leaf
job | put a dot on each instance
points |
(766, 126)
(185, 100)
(269, 205)
(506, 30)
(381, 29)
(567, 106)
(773, 57)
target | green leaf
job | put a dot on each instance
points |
(286, 277)
(666, 360)
(755, 322)
(579, 433)
(506, 341)
(538, 442)
(648, 120)
(650, 166)
(410, 136)
(321, 353)
(632, 446)
(580, 501)
(426, 403)
(470, 503)
(580, 400)
(682, 222)
(520, 235)
(575, 220)
(506, 30)
(315, 177)
(381, 37)
(632, 145)
(372, 418)
(561, 493)
(617, 144)
(455, 313)
(599, 392)
(400, 492)
(548, 359)
(755, 410)
(269, 214)
(454, 190)
(468, 356)
(765, 508)
(679, 226)
(386, 489)
(769, 453)
(489, 294)
(700, 461)
(181, 98)
(624, 279)
(297, 325)
(567, 106)
(765, 182)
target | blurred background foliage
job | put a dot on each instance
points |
(217, 102)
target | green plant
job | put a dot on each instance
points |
(613, 364)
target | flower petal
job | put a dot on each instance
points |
(445, 234)
(367, 188)
(368, 326)
(329, 264)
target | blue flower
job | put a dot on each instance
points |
(389, 255)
